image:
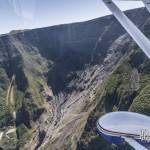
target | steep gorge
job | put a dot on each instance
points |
(59, 76)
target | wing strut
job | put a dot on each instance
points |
(134, 144)
(134, 32)
(146, 3)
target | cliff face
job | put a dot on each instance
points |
(51, 80)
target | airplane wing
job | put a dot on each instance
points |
(134, 32)
(134, 144)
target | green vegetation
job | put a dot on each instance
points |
(23, 134)
(128, 88)
(21, 130)
(5, 116)
(119, 88)
(29, 104)
(21, 96)
(141, 103)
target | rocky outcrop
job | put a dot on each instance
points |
(58, 71)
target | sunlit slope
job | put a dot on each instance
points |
(127, 89)
(49, 80)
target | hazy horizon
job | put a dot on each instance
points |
(29, 14)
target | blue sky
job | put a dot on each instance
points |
(27, 14)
